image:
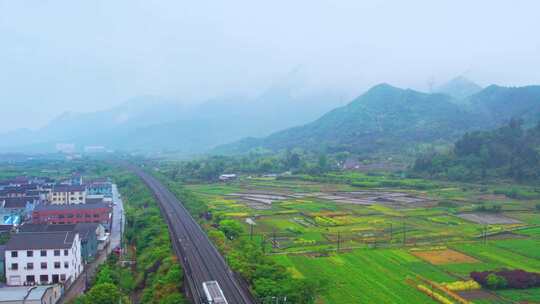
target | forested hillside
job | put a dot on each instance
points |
(384, 118)
(509, 152)
(391, 120)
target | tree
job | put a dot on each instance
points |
(231, 228)
(173, 298)
(323, 163)
(293, 160)
(106, 293)
(494, 281)
(104, 275)
(217, 237)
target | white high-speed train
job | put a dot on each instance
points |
(213, 293)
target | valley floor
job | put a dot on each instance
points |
(379, 245)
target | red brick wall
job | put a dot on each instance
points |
(71, 216)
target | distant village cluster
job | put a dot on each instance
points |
(50, 230)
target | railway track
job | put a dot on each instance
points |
(200, 259)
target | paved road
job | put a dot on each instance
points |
(78, 287)
(201, 260)
(118, 219)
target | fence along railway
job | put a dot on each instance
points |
(200, 259)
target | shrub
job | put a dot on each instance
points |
(518, 279)
(435, 295)
(462, 285)
(494, 281)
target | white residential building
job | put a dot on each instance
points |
(66, 194)
(43, 258)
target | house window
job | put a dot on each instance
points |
(61, 216)
(44, 278)
(43, 253)
(70, 215)
(66, 252)
(56, 265)
(96, 215)
(30, 279)
(66, 265)
(30, 253)
(14, 266)
(87, 215)
(14, 254)
(29, 266)
(43, 265)
(56, 252)
(62, 277)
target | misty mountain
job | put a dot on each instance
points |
(384, 118)
(460, 88)
(500, 104)
(78, 127)
(390, 119)
(152, 123)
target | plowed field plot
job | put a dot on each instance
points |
(395, 200)
(259, 200)
(489, 218)
(442, 257)
(477, 295)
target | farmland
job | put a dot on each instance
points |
(379, 244)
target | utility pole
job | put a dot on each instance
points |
(121, 235)
(338, 241)
(485, 233)
(404, 232)
(274, 238)
(85, 277)
(391, 232)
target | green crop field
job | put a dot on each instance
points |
(366, 276)
(312, 218)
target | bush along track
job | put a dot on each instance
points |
(268, 280)
(155, 276)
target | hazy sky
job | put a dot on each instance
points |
(67, 55)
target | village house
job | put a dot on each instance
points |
(90, 234)
(43, 258)
(67, 194)
(72, 214)
(227, 177)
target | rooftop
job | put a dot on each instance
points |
(83, 229)
(18, 202)
(68, 188)
(20, 293)
(41, 240)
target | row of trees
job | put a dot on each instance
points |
(266, 278)
(157, 277)
(209, 168)
(509, 152)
